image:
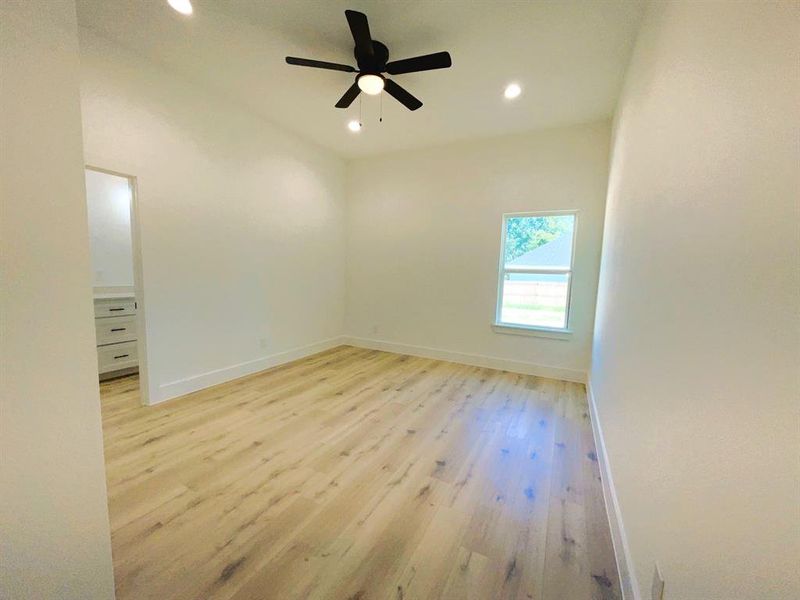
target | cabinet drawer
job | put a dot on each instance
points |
(109, 307)
(117, 356)
(115, 329)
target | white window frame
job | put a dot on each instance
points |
(517, 328)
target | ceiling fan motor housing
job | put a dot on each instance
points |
(374, 63)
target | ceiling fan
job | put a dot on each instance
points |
(372, 58)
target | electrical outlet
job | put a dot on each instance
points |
(658, 584)
(263, 343)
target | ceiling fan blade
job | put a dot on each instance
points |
(350, 95)
(438, 60)
(402, 96)
(360, 30)
(319, 64)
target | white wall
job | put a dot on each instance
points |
(108, 202)
(54, 533)
(424, 243)
(242, 224)
(695, 361)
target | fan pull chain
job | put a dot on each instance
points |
(360, 120)
(380, 120)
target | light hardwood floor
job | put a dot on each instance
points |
(358, 475)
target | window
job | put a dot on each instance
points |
(536, 270)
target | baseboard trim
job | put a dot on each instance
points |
(627, 574)
(181, 387)
(477, 360)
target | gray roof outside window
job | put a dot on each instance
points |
(556, 253)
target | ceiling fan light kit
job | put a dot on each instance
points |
(370, 84)
(372, 58)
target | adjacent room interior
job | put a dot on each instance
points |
(110, 209)
(400, 300)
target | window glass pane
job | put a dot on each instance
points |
(536, 299)
(538, 242)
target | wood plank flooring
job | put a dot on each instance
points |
(358, 475)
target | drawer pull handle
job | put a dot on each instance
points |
(119, 329)
(121, 356)
(115, 309)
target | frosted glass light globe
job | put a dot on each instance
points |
(182, 6)
(370, 84)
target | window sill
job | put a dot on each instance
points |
(556, 334)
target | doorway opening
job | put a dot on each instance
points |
(117, 279)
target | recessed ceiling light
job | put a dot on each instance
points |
(182, 6)
(354, 126)
(512, 91)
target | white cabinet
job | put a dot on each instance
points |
(116, 357)
(114, 307)
(115, 329)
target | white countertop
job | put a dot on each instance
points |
(114, 295)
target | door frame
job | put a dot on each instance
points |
(138, 282)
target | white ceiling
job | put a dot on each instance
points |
(568, 56)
